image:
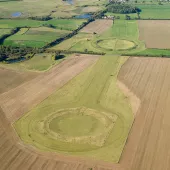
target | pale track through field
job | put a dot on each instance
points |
(24, 97)
(148, 145)
(98, 26)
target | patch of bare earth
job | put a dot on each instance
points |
(155, 33)
(22, 98)
(148, 146)
(98, 26)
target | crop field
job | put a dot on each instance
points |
(35, 37)
(148, 143)
(155, 33)
(98, 26)
(12, 78)
(91, 110)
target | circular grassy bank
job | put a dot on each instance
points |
(115, 44)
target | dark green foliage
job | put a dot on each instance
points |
(122, 8)
(42, 18)
(7, 53)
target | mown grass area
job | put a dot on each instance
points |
(122, 30)
(39, 62)
(92, 93)
(35, 37)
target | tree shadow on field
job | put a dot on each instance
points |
(59, 57)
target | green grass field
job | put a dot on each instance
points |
(57, 9)
(35, 37)
(65, 24)
(125, 33)
(155, 11)
(149, 11)
(4, 31)
(87, 117)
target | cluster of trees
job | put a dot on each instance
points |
(122, 8)
(8, 52)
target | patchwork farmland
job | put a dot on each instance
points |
(84, 85)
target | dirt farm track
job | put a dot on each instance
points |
(147, 147)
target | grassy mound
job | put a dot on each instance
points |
(115, 44)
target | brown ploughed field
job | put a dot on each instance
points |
(98, 26)
(148, 145)
(155, 33)
(12, 78)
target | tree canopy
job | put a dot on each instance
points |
(122, 8)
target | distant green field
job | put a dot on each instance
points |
(155, 11)
(149, 11)
(125, 33)
(83, 122)
(153, 53)
(65, 24)
(57, 9)
(4, 31)
(70, 24)
(35, 37)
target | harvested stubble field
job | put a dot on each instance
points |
(155, 33)
(98, 26)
